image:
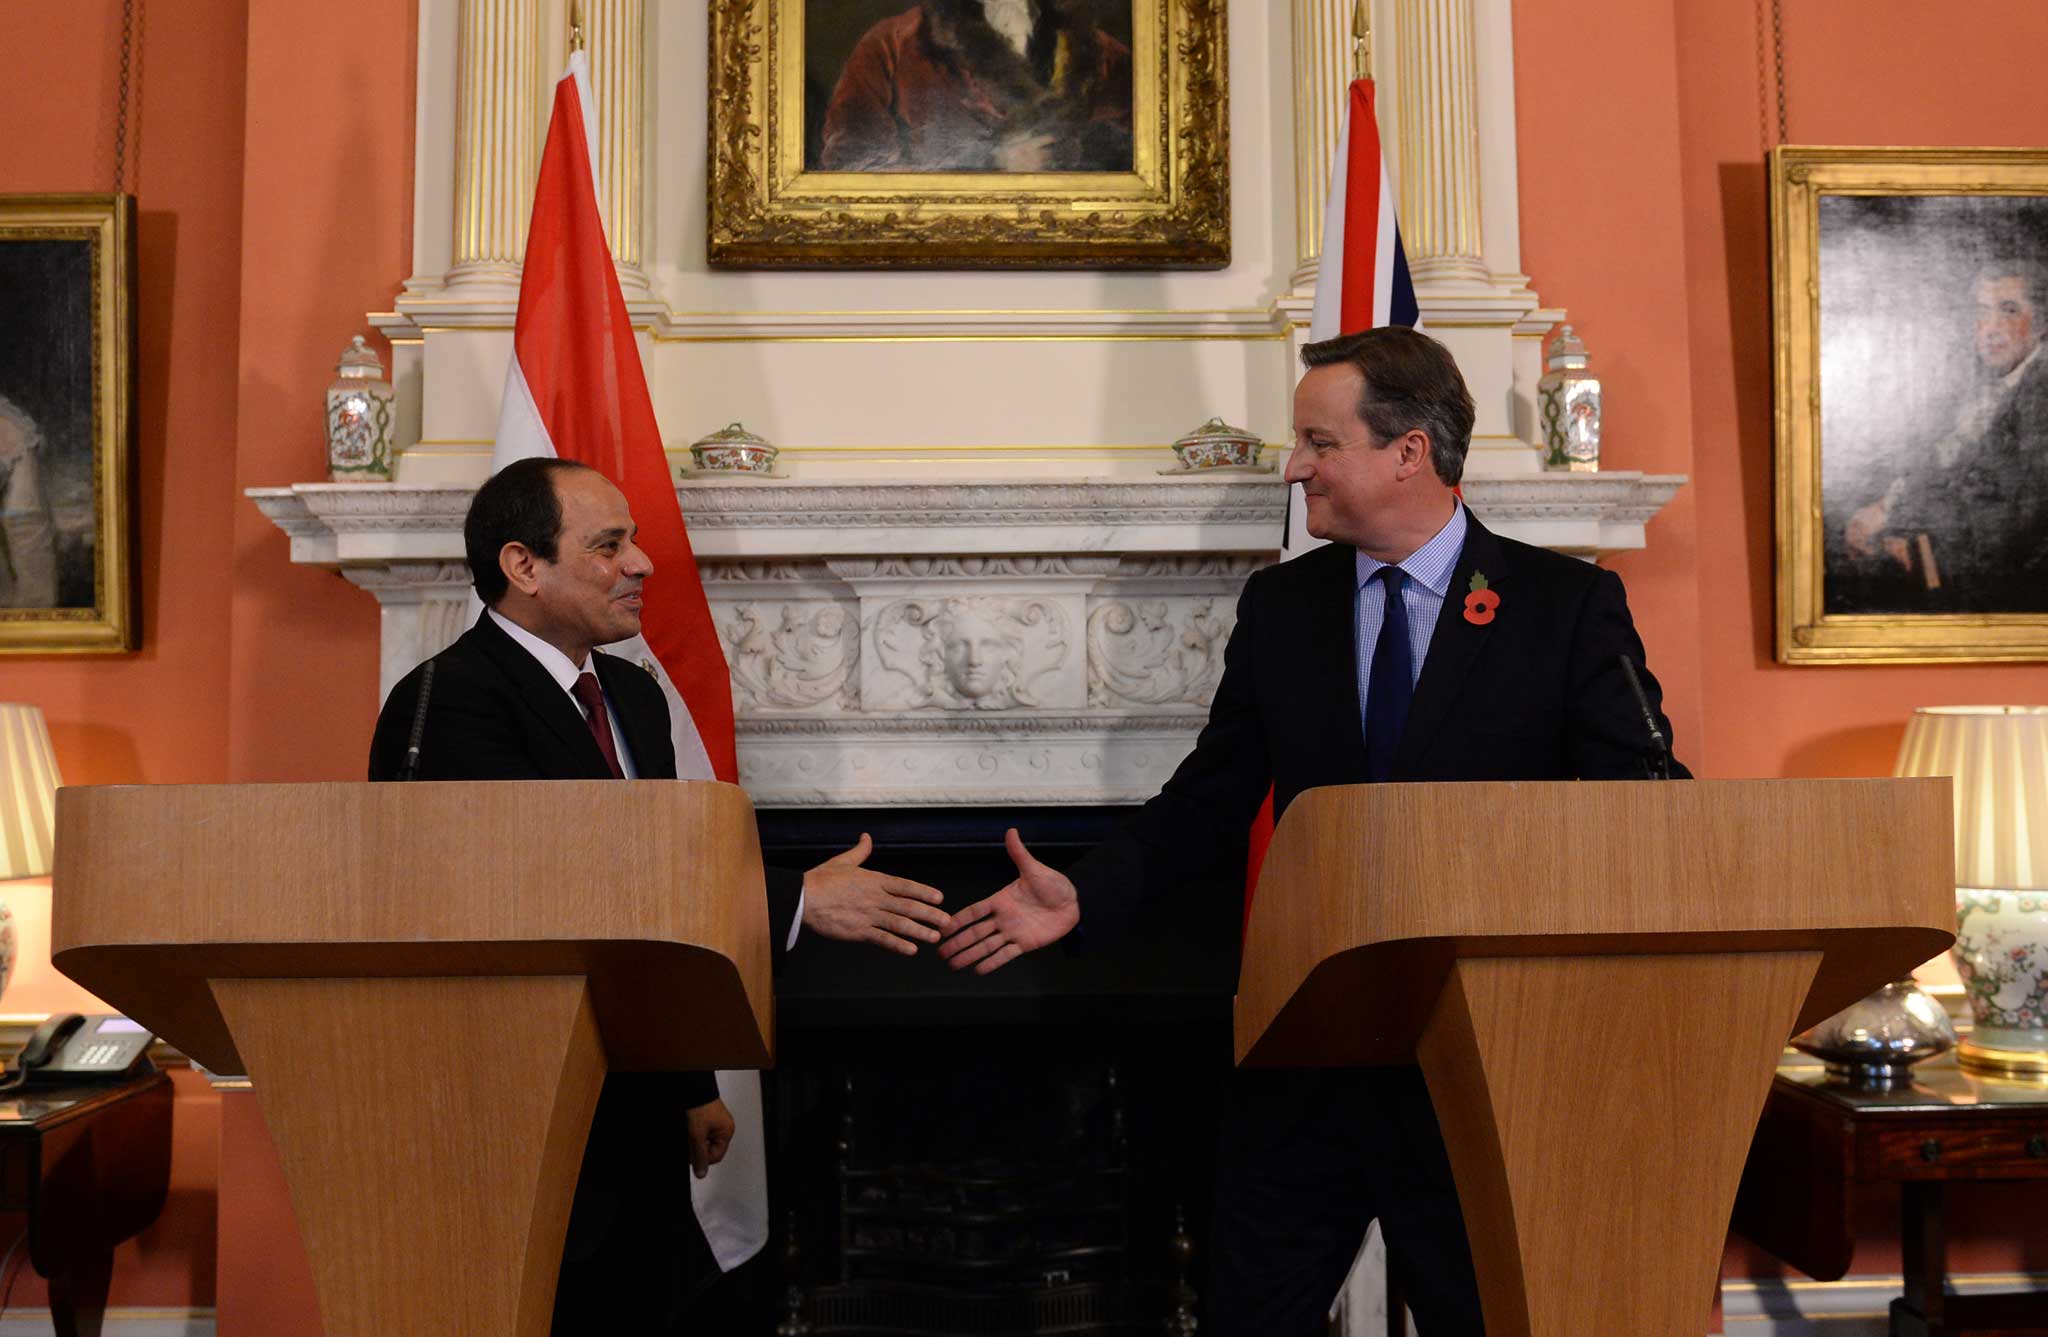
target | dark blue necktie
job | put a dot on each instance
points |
(1392, 682)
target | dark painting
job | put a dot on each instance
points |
(1006, 86)
(1934, 403)
(48, 497)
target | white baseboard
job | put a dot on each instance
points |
(1851, 1307)
(119, 1323)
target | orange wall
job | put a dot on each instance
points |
(1644, 213)
(274, 190)
(160, 714)
(326, 235)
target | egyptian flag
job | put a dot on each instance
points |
(1362, 282)
(576, 390)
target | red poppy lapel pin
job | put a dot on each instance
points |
(1481, 602)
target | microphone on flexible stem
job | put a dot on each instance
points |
(1658, 763)
(409, 769)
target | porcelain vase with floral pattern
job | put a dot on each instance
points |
(2001, 952)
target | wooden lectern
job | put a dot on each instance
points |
(426, 984)
(1597, 979)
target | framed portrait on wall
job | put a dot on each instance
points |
(1910, 295)
(66, 365)
(969, 134)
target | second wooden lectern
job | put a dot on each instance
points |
(426, 984)
(1597, 979)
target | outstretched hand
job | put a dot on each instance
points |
(854, 904)
(1039, 908)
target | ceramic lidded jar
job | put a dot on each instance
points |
(733, 449)
(360, 418)
(1218, 445)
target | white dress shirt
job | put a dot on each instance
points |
(565, 675)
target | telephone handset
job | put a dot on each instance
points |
(69, 1047)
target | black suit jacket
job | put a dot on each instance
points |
(495, 714)
(1536, 694)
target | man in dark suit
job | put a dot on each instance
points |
(1415, 646)
(526, 695)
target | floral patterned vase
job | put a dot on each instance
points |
(2001, 952)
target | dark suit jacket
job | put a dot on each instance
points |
(1536, 694)
(495, 714)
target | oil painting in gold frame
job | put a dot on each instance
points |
(67, 266)
(1130, 171)
(1910, 305)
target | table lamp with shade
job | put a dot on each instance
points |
(28, 808)
(1998, 759)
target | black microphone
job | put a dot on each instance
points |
(409, 769)
(1658, 763)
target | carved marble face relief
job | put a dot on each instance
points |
(971, 652)
(977, 655)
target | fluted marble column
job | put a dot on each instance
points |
(500, 124)
(1324, 66)
(1439, 180)
(616, 38)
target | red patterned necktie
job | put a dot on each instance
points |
(591, 697)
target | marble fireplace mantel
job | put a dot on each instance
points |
(947, 642)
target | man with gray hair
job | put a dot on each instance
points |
(28, 536)
(1415, 646)
(1965, 521)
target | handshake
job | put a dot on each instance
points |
(846, 901)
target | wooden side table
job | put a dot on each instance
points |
(91, 1165)
(1819, 1139)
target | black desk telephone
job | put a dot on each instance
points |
(73, 1048)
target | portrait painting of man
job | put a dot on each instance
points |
(968, 85)
(47, 486)
(1934, 403)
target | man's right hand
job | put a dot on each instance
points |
(711, 1129)
(854, 904)
(1036, 910)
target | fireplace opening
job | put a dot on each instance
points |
(1029, 1152)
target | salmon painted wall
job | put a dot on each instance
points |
(1644, 212)
(158, 715)
(274, 208)
(326, 235)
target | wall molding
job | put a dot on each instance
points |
(416, 317)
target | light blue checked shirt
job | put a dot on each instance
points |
(1429, 569)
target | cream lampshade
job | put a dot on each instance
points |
(28, 793)
(28, 809)
(1998, 758)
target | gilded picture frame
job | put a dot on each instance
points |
(1910, 305)
(772, 203)
(67, 360)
